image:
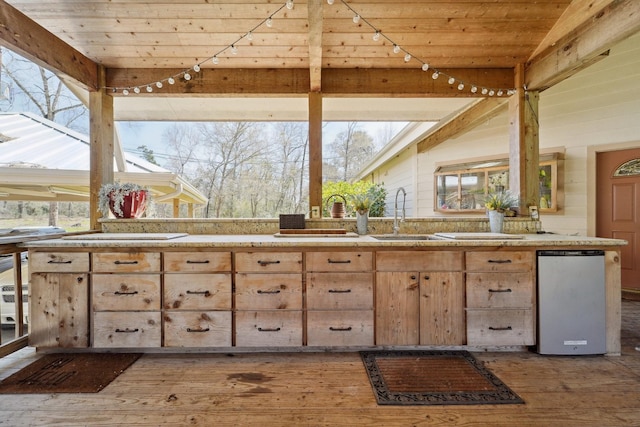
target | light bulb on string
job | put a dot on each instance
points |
(425, 66)
(491, 92)
(136, 89)
(249, 36)
(289, 4)
(484, 90)
(171, 80)
(159, 84)
(149, 89)
(451, 80)
(356, 18)
(376, 36)
(187, 76)
(196, 68)
(435, 75)
(215, 60)
(125, 92)
(269, 22)
(329, 1)
(461, 86)
(500, 92)
(474, 89)
(234, 49)
(407, 57)
(396, 48)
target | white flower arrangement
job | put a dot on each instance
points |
(116, 192)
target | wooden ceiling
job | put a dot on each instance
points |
(314, 46)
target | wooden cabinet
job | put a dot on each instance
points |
(197, 295)
(58, 299)
(126, 295)
(419, 298)
(268, 298)
(500, 298)
(339, 298)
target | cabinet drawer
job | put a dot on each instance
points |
(197, 291)
(499, 290)
(197, 329)
(126, 262)
(331, 291)
(248, 262)
(500, 327)
(339, 261)
(418, 261)
(188, 262)
(59, 262)
(256, 291)
(126, 329)
(124, 292)
(340, 328)
(506, 261)
(268, 328)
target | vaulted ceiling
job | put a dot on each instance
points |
(286, 49)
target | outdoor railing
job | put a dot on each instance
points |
(14, 336)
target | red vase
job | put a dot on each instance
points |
(133, 206)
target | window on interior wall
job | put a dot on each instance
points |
(462, 187)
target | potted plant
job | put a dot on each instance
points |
(361, 204)
(123, 200)
(497, 204)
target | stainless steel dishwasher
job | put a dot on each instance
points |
(571, 302)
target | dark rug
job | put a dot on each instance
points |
(68, 373)
(433, 378)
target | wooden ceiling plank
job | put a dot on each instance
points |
(585, 44)
(22, 35)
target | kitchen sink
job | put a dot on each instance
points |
(405, 237)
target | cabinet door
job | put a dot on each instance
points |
(397, 308)
(442, 317)
(58, 311)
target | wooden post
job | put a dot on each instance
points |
(176, 208)
(101, 133)
(315, 150)
(524, 152)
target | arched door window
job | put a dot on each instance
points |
(628, 168)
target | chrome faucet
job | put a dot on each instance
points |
(396, 226)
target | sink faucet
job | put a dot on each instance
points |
(396, 226)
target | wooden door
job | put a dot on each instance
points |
(618, 208)
(397, 308)
(442, 317)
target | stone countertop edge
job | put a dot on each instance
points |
(365, 241)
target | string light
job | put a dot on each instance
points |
(357, 18)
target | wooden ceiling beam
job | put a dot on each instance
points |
(462, 121)
(25, 37)
(335, 82)
(315, 45)
(584, 45)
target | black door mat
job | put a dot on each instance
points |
(68, 373)
(433, 378)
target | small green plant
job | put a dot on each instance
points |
(361, 203)
(500, 201)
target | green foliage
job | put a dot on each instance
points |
(375, 193)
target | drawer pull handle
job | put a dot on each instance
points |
(275, 291)
(508, 328)
(127, 331)
(339, 291)
(499, 261)
(268, 329)
(59, 262)
(118, 262)
(205, 293)
(334, 261)
(198, 330)
(500, 290)
(265, 263)
(125, 293)
(206, 261)
(347, 329)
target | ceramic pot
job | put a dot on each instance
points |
(133, 205)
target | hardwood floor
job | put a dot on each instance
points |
(331, 389)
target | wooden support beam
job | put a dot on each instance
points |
(315, 45)
(101, 134)
(315, 150)
(25, 37)
(462, 121)
(524, 157)
(176, 208)
(584, 45)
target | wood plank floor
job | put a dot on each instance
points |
(331, 389)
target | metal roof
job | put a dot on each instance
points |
(43, 161)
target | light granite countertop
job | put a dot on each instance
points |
(182, 240)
